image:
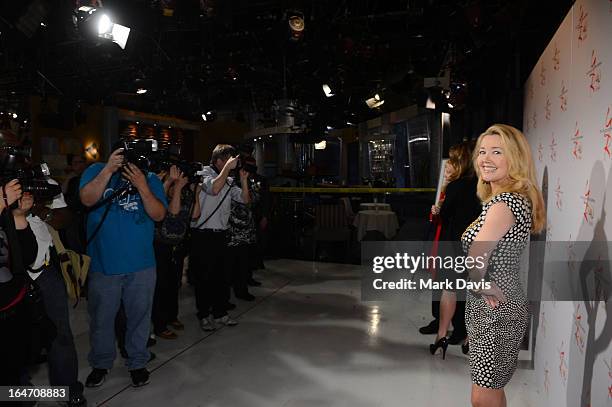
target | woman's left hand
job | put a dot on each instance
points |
(493, 295)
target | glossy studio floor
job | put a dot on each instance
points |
(306, 341)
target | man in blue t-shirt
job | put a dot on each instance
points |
(120, 235)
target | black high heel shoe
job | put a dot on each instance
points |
(465, 348)
(441, 343)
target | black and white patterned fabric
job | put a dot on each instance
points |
(495, 335)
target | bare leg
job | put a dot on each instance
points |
(485, 397)
(448, 303)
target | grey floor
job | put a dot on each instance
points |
(307, 341)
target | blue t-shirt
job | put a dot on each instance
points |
(124, 243)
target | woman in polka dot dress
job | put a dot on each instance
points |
(497, 315)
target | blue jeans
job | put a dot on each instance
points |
(62, 357)
(105, 293)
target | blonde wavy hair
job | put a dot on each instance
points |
(521, 171)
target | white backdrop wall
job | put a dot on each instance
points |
(568, 121)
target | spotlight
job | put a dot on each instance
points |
(451, 105)
(15, 115)
(375, 101)
(296, 25)
(104, 25)
(141, 91)
(327, 90)
(204, 117)
(329, 127)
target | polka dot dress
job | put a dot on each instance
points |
(495, 335)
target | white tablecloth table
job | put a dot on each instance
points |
(374, 205)
(384, 221)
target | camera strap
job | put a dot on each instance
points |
(217, 208)
(108, 201)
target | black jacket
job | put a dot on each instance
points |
(460, 207)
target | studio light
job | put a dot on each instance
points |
(327, 90)
(90, 17)
(105, 25)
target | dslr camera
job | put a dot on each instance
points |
(246, 163)
(171, 155)
(140, 152)
(15, 163)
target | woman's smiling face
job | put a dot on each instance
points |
(492, 161)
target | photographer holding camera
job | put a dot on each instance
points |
(122, 260)
(17, 248)
(210, 237)
(242, 238)
(62, 356)
(170, 249)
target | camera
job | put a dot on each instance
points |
(169, 156)
(141, 153)
(246, 163)
(15, 164)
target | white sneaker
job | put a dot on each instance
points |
(226, 320)
(207, 324)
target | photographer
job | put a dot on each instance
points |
(209, 238)
(170, 251)
(62, 356)
(122, 260)
(15, 237)
(73, 235)
(242, 239)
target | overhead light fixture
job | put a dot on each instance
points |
(418, 139)
(321, 146)
(141, 91)
(296, 25)
(208, 116)
(104, 25)
(327, 90)
(375, 101)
